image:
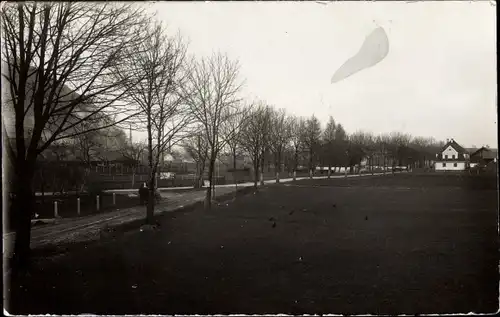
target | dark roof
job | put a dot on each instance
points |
(454, 145)
(486, 153)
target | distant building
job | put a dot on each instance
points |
(483, 157)
(452, 157)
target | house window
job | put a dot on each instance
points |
(446, 156)
(444, 164)
(453, 156)
(455, 164)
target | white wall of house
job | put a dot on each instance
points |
(450, 166)
(450, 153)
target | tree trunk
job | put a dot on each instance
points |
(234, 159)
(150, 204)
(133, 177)
(208, 197)
(197, 176)
(202, 172)
(310, 160)
(151, 198)
(296, 161)
(234, 171)
(262, 170)
(256, 173)
(384, 161)
(23, 207)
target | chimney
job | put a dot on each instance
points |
(447, 140)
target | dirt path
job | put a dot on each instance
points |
(88, 228)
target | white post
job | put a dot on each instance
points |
(310, 174)
(277, 177)
(56, 214)
(114, 199)
(261, 178)
(97, 202)
(294, 175)
(78, 206)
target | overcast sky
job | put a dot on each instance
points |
(438, 79)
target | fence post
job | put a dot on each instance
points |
(294, 175)
(56, 214)
(97, 202)
(277, 177)
(310, 174)
(78, 206)
(114, 199)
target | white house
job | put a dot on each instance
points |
(452, 157)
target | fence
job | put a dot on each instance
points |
(182, 168)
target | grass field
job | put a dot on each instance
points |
(396, 244)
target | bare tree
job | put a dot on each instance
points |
(297, 131)
(254, 136)
(196, 146)
(426, 148)
(359, 148)
(279, 136)
(312, 140)
(157, 71)
(58, 59)
(212, 94)
(133, 152)
(382, 144)
(398, 147)
(328, 142)
(369, 149)
(231, 131)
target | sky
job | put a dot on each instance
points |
(437, 80)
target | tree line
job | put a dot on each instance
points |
(272, 138)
